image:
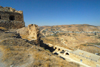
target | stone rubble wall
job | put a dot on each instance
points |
(6, 15)
(9, 9)
(11, 18)
(31, 33)
(12, 24)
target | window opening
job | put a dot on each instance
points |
(11, 18)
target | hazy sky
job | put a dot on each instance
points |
(57, 12)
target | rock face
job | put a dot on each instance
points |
(30, 33)
(11, 18)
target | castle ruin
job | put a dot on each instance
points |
(11, 18)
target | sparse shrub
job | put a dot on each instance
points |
(55, 35)
(47, 50)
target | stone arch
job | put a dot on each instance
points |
(67, 53)
(56, 53)
(11, 17)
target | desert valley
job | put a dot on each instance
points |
(76, 45)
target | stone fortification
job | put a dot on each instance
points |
(9, 9)
(11, 18)
(30, 33)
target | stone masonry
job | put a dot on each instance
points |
(11, 18)
(31, 33)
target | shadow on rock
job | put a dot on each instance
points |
(45, 46)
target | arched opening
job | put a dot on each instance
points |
(62, 51)
(56, 53)
(55, 47)
(58, 49)
(0, 17)
(67, 53)
(12, 17)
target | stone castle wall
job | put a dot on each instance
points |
(9, 9)
(31, 33)
(12, 24)
(10, 18)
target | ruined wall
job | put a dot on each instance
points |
(31, 33)
(10, 18)
(85, 60)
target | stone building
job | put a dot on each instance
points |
(86, 57)
(11, 18)
(78, 55)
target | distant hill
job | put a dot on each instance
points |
(47, 30)
(77, 27)
(77, 36)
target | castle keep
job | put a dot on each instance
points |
(11, 18)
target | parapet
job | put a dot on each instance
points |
(9, 9)
(11, 18)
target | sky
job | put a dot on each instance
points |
(57, 12)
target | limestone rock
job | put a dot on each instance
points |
(30, 33)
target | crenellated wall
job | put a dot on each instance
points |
(11, 18)
(9, 9)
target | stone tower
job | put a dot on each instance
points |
(11, 18)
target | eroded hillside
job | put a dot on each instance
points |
(85, 37)
(18, 52)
